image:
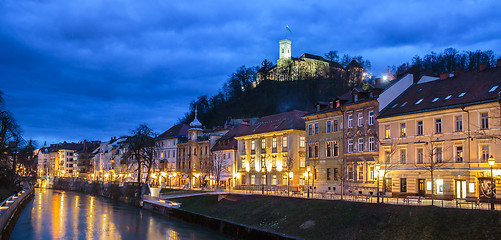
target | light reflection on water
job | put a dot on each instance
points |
(53, 214)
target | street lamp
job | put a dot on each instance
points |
(291, 175)
(308, 180)
(378, 166)
(262, 183)
(492, 161)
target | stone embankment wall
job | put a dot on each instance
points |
(11, 211)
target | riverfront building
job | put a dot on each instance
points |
(438, 136)
(271, 153)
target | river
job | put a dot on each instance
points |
(54, 214)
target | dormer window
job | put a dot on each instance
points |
(331, 105)
(355, 98)
(338, 103)
(318, 107)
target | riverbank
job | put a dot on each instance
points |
(328, 219)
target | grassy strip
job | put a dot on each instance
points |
(169, 191)
(322, 219)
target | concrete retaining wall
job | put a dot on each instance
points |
(11, 214)
(229, 228)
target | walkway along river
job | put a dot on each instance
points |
(54, 214)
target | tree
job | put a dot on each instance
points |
(27, 159)
(10, 137)
(219, 166)
(313, 164)
(389, 163)
(265, 67)
(140, 150)
(332, 56)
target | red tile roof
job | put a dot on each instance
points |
(277, 122)
(228, 141)
(175, 131)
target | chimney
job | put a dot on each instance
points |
(499, 62)
(482, 67)
(444, 76)
(331, 104)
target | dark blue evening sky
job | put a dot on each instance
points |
(74, 70)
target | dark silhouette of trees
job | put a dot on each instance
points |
(140, 150)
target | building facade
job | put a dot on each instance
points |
(271, 153)
(437, 137)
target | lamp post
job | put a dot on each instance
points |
(378, 166)
(262, 182)
(492, 161)
(290, 175)
(308, 180)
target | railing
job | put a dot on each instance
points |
(9, 208)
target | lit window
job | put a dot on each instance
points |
(371, 118)
(370, 173)
(387, 131)
(302, 162)
(263, 143)
(253, 179)
(360, 173)
(301, 141)
(402, 130)
(493, 88)
(360, 119)
(284, 142)
(485, 153)
(462, 94)
(440, 186)
(448, 96)
(459, 154)
(253, 145)
(419, 101)
(435, 99)
(350, 121)
(274, 180)
(274, 142)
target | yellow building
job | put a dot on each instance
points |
(437, 137)
(324, 144)
(271, 153)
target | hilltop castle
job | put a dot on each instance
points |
(308, 66)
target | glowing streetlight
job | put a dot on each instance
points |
(378, 166)
(492, 161)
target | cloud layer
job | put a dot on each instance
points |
(74, 70)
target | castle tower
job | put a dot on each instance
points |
(285, 49)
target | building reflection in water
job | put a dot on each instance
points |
(69, 215)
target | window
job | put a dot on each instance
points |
(263, 143)
(328, 174)
(371, 144)
(253, 179)
(301, 141)
(350, 145)
(310, 129)
(435, 99)
(350, 172)
(360, 144)
(387, 185)
(355, 98)
(459, 154)
(438, 125)
(302, 162)
(485, 153)
(253, 145)
(402, 130)
(329, 127)
(485, 120)
(360, 119)
(360, 173)
(493, 88)
(329, 149)
(370, 174)
(316, 128)
(350, 121)
(274, 180)
(448, 96)
(336, 149)
(274, 142)
(440, 186)
(371, 117)
(419, 128)
(284, 142)
(336, 174)
(403, 156)
(316, 151)
(336, 126)
(438, 152)
(310, 152)
(459, 124)
(462, 94)
(387, 131)
(387, 156)
(419, 101)
(420, 155)
(403, 184)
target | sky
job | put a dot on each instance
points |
(86, 69)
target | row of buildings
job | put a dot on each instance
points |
(432, 135)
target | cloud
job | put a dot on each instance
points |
(76, 70)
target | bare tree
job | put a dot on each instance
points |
(289, 165)
(140, 150)
(390, 163)
(219, 167)
(313, 164)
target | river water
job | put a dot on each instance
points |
(54, 214)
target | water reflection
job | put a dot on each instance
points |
(67, 215)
